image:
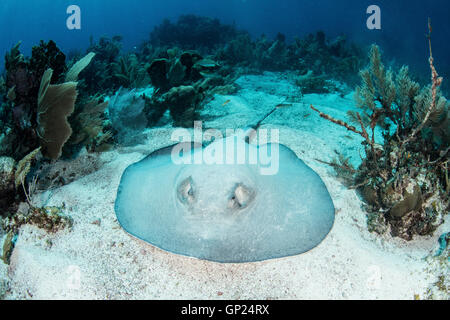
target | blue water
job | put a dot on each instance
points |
(404, 23)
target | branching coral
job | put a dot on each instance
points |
(55, 104)
(403, 178)
(72, 74)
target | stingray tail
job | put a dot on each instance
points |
(250, 131)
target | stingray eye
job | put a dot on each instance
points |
(241, 197)
(186, 192)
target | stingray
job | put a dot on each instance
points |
(228, 212)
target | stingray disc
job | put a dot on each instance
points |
(267, 204)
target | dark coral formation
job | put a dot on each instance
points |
(30, 113)
(37, 102)
(99, 75)
(187, 62)
(182, 81)
(130, 73)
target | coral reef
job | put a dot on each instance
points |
(130, 73)
(126, 111)
(183, 80)
(404, 181)
(100, 74)
(336, 58)
(13, 183)
(62, 108)
(183, 102)
(166, 73)
(238, 51)
(45, 56)
(51, 219)
(72, 74)
(34, 120)
(36, 109)
(18, 209)
(18, 112)
(8, 195)
(90, 127)
(273, 56)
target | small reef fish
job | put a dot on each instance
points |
(225, 103)
(283, 105)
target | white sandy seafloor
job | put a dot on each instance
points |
(97, 259)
